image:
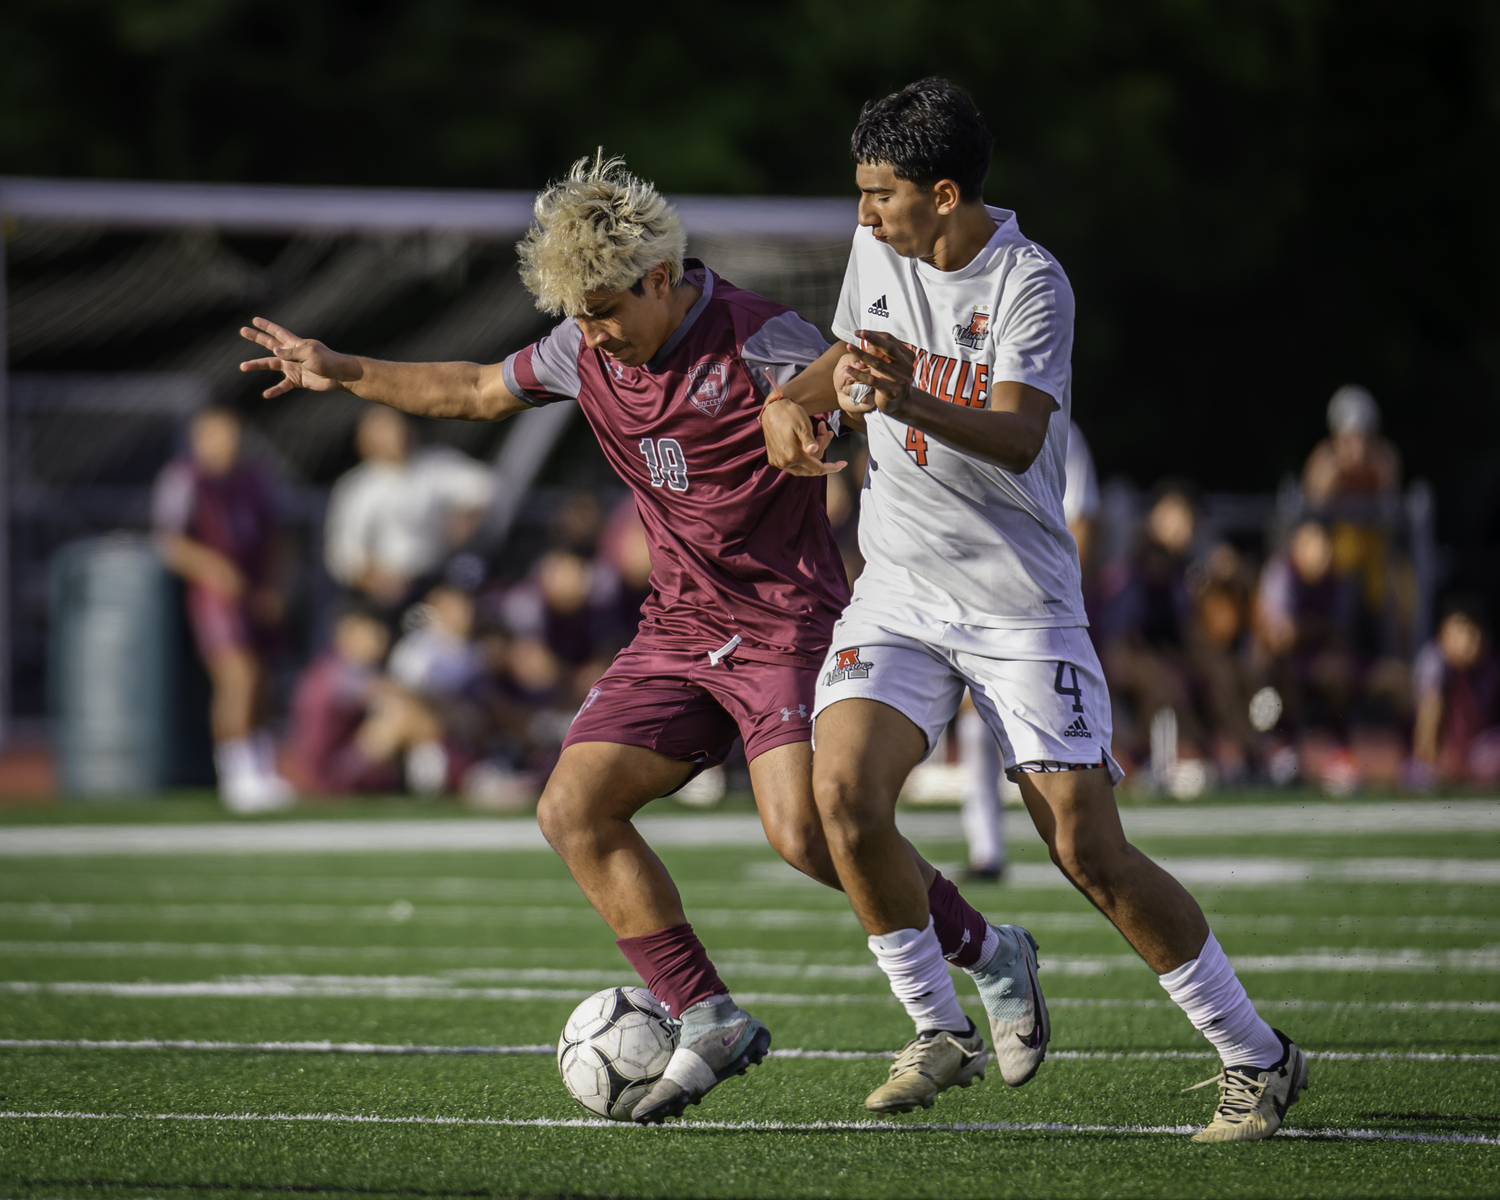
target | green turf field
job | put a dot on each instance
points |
(1372, 939)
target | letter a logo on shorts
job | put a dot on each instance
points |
(847, 665)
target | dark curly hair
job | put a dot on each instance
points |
(928, 131)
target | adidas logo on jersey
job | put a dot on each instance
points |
(1077, 729)
(879, 309)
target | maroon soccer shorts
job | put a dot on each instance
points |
(220, 624)
(678, 704)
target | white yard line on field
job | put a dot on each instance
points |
(543, 1049)
(1371, 1135)
(1339, 819)
(731, 959)
(532, 983)
(325, 987)
(1199, 872)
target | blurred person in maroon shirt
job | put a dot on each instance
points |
(1305, 622)
(1145, 621)
(1457, 677)
(333, 701)
(216, 527)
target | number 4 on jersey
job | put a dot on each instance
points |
(916, 442)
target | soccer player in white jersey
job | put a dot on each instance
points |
(963, 329)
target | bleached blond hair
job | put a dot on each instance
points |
(599, 230)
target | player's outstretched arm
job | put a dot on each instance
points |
(1009, 432)
(464, 391)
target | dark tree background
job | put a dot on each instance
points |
(1257, 200)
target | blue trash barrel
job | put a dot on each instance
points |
(112, 667)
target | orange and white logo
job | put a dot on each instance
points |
(847, 664)
(973, 334)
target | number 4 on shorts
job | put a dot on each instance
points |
(1075, 691)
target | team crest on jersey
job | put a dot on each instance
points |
(847, 664)
(708, 386)
(973, 334)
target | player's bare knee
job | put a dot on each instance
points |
(1090, 863)
(562, 813)
(805, 848)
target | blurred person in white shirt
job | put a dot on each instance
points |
(397, 516)
(437, 665)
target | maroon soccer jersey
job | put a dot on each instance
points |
(233, 514)
(738, 547)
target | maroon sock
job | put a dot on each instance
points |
(674, 965)
(959, 926)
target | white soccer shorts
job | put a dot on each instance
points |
(1042, 693)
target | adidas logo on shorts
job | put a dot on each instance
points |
(879, 309)
(1077, 729)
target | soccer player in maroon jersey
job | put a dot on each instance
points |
(672, 367)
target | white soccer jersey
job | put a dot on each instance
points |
(949, 539)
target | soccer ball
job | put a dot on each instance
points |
(614, 1047)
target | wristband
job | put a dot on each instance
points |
(775, 394)
(821, 422)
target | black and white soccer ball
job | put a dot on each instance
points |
(614, 1047)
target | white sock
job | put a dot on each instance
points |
(914, 963)
(234, 760)
(1210, 993)
(984, 824)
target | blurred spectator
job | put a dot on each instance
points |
(623, 549)
(437, 659)
(1144, 623)
(216, 527)
(1305, 615)
(577, 522)
(333, 699)
(439, 671)
(566, 606)
(1220, 586)
(1354, 461)
(1457, 737)
(1350, 481)
(396, 517)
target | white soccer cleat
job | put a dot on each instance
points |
(250, 795)
(1253, 1100)
(930, 1063)
(1019, 1025)
(718, 1040)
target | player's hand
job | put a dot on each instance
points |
(302, 362)
(791, 443)
(843, 384)
(218, 574)
(887, 365)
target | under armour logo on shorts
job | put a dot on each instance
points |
(787, 714)
(847, 664)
